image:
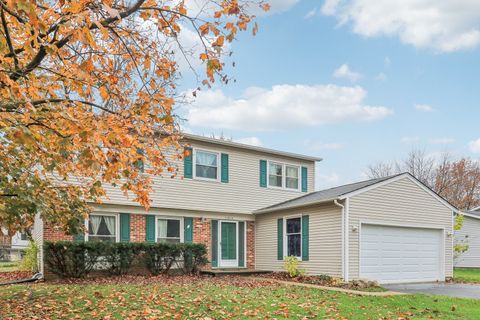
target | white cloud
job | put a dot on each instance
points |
(320, 146)
(344, 72)
(442, 141)
(311, 13)
(423, 107)
(253, 141)
(387, 62)
(474, 146)
(327, 181)
(330, 7)
(443, 26)
(409, 140)
(282, 107)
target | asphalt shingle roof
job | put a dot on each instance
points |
(324, 195)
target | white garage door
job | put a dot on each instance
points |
(398, 254)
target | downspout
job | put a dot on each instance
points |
(344, 275)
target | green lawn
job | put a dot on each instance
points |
(467, 274)
(218, 299)
(9, 266)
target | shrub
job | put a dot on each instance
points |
(77, 259)
(194, 257)
(72, 259)
(159, 257)
(291, 265)
(119, 256)
(30, 259)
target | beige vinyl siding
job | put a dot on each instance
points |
(401, 203)
(325, 241)
(242, 194)
(470, 233)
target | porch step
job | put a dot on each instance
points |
(232, 271)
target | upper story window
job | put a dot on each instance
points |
(283, 176)
(102, 228)
(168, 230)
(206, 164)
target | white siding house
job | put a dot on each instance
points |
(469, 234)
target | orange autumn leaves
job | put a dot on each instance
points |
(88, 90)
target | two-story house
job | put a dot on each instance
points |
(252, 206)
(210, 201)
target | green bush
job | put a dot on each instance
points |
(77, 259)
(194, 257)
(291, 265)
(160, 257)
(70, 259)
(30, 259)
(119, 256)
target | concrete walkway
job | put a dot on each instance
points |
(459, 290)
(349, 291)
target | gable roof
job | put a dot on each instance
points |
(345, 191)
(472, 214)
(233, 144)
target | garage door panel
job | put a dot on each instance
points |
(400, 254)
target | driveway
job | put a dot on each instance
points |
(459, 290)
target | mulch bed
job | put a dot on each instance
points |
(14, 275)
(323, 281)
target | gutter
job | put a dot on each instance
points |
(36, 277)
(344, 240)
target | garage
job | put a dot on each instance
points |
(391, 254)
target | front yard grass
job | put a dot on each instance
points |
(9, 266)
(467, 275)
(239, 298)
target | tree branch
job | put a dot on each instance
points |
(8, 39)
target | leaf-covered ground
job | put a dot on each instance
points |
(202, 298)
(467, 275)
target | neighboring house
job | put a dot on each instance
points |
(392, 230)
(12, 247)
(469, 234)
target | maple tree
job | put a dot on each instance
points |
(87, 90)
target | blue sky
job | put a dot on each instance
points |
(334, 80)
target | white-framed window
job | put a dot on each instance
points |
(169, 229)
(275, 175)
(292, 177)
(293, 236)
(283, 176)
(206, 164)
(103, 227)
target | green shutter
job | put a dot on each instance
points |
(188, 229)
(263, 173)
(224, 161)
(241, 244)
(214, 243)
(124, 227)
(304, 179)
(280, 239)
(150, 228)
(305, 236)
(188, 163)
(79, 237)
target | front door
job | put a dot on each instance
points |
(228, 244)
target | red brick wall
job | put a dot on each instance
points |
(53, 233)
(250, 244)
(137, 228)
(202, 233)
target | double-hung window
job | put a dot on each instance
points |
(283, 176)
(293, 236)
(102, 228)
(206, 164)
(275, 175)
(169, 229)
